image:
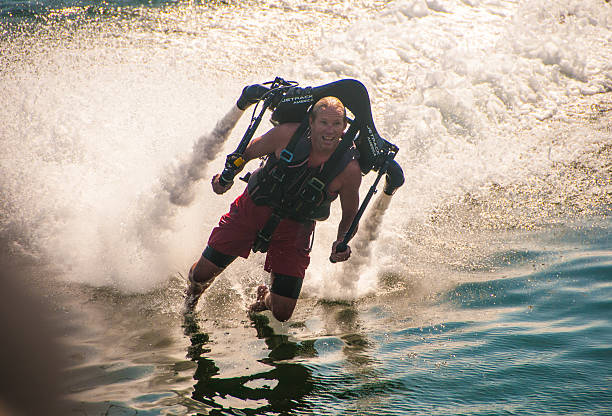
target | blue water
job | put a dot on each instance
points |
(485, 287)
(539, 343)
(536, 343)
(19, 9)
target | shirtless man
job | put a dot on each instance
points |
(288, 253)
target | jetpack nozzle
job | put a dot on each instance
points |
(250, 95)
(394, 178)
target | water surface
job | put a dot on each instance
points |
(483, 288)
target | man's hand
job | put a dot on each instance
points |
(339, 256)
(217, 187)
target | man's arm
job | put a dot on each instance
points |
(273, 141)
(349, 201)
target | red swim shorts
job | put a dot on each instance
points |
(289, 249)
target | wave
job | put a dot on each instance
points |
(499, 110)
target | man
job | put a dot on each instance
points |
(289, 247)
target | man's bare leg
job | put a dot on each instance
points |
(201, 276)
(281, 306)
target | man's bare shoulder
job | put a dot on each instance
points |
(281, 134)
(273, 141)
(351, 175)
(353, 169)
(286, 128)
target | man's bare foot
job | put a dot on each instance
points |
(193, 292)
(192, 295)
(260, 303)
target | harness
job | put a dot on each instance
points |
(290, 103)
(299, 201)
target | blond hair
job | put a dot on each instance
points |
(325, 103)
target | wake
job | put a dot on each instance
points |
(362, 244)
(176, 189)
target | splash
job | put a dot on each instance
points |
(352, 279)
(367, 234)
(177, 187)
(179, 184)
(477, 95)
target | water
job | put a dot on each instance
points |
(483, 287)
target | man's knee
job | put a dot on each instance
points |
(286, 286)
(216, 258)
(211, 263)
(281, 316)
(284, 293)
(282, 308)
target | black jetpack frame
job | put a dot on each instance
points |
(291, 103)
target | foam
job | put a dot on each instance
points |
(108, 129)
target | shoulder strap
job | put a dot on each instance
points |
(345, 144)
(286, 155)
(314, 190)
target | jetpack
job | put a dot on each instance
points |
(291, 103)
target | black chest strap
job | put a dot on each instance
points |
(314, 191)
(275, 177)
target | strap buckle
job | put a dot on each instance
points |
(313, 191)
(262, 240)
(286, 156)
(277, 174)
(316, 183)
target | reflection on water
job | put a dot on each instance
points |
(136, 354)
(292, 351)
(282, 388)
(486, 344)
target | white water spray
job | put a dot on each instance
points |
(90, 118)
(179, 184)
(177, 187)
(345, 285)
(367, 234)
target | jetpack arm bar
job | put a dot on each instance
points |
(389, 166)
(271, 97)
